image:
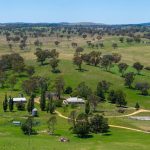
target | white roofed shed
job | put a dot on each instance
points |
(19, 99)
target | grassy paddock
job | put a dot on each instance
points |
(11, 137)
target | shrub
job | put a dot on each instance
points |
(98, 124)
(58, 103)
(20, 106)
(121, 110)
(137, 106)
(27, 126)
(68, 90)
(147, 68)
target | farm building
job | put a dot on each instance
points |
(34, 112)
(74, 100)
(16, 123)
(52, 95)
(19, 99)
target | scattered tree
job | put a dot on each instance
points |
(11, 104)
(143, 87)
(68, 90)
(54, 64)
(30, 70)
(81, 128)
(138, 67)
(30, 105)
(99, 124)
(51, 124)
(100, 92)
(59, 86)
(87, 107)
(137, 106)
(27, 126)
(122, 68)
(93, 99)
(129, 78)
(77, 60)
(5, 103)
(42, 100)
(12, 81)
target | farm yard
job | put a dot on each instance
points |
(47, 64)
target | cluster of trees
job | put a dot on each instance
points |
(95, 45)
(43, 55)
(62, 30)
(46, 102)
(38, 43)
(27, 126)
(95, 58)
(108, 61)
(31, 85)
(13, 62)
(95, 97)
(130, 40)
(117, 97)
(143, 87)
(8, 104)
(130, 77)
(83, 125)
(15, 39)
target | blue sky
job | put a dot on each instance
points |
(100, 11)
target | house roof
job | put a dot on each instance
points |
(75, 100)
(19, 99)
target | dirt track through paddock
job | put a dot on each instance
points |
(113, 126)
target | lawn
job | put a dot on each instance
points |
(12, 138)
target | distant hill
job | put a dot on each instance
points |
(20, 24)
(146, 24)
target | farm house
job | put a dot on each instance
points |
(74, 100)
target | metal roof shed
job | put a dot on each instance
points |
(20, 99)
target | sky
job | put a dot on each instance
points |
(53, 11)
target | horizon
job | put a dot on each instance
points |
(98, 23)
(95, 11)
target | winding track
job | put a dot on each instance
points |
(132, 114)
(114, 126)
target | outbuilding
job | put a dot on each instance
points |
(34, 112)
(16, 123)
(19, 99)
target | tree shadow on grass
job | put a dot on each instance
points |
(35, 133)
(99, 111)
(15, 90)
(55, 134)
(85, 137)
(56, 71)
(82, 70)
(22, 75)
(121, 106)
(140, 94)
(45, 64)
(107, 134)
(141, 74)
